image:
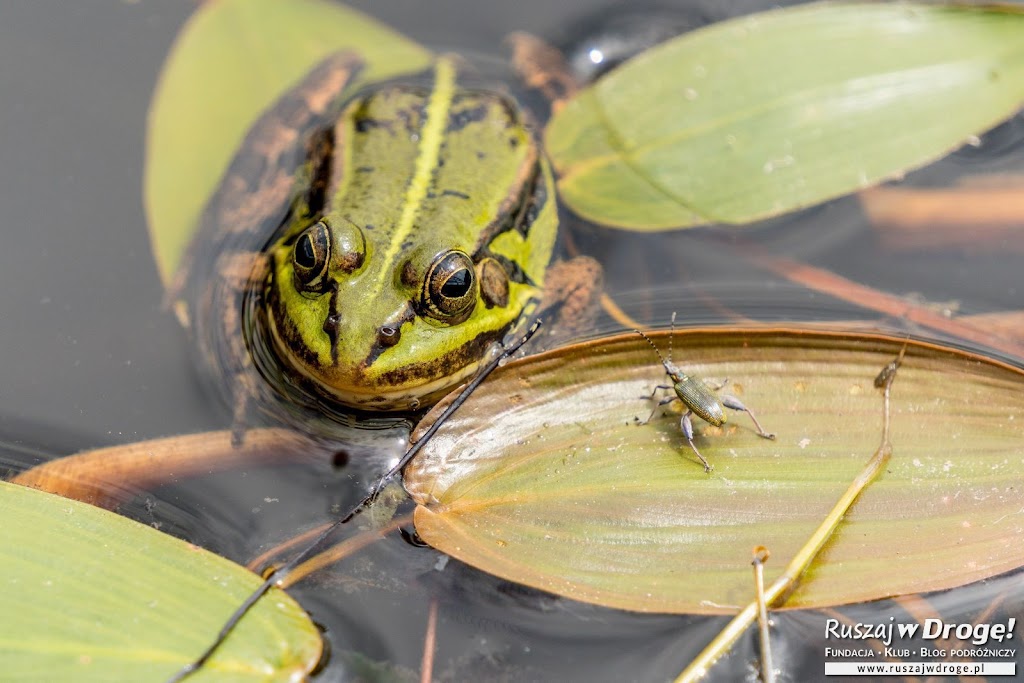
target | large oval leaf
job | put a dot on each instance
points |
(543, 476)
(91, 596)
(771, 112)
(231, 61)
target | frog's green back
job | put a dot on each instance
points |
(433, 189)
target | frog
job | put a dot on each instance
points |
(371, 246)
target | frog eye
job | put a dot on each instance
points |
(449, 292)
(310, 257)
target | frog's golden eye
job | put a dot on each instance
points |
(310, 256)
(449, 292)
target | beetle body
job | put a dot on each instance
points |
(696, 396)
(698, 399)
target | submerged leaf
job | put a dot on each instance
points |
(771, 112)
(92, 596)
(231, 61)
(544, 476)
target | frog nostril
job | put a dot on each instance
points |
(332, 328)
(331, 325)
(388, 336)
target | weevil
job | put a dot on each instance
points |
(698, 397)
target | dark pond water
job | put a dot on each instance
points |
(91, 358)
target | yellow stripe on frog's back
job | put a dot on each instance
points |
(431, 138)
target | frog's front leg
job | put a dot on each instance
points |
(570, 302)
(283, 150)
(238, 275)
(542, 67)
(222, 348)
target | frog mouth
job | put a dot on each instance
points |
(400, 399)
(411, 388)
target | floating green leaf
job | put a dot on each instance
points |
(544, 477)
(91, 596)
(776, 111)
(231, 61)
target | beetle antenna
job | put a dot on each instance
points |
(656, 350)
(671, 334)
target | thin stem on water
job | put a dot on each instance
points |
(279, 578)
(783, 587)
(761, 555)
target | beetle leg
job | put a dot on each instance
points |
(662, 402)
(735, 404)
(687, 428)
(656, 389)
(716, 386)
